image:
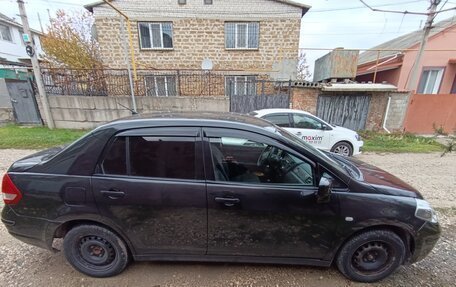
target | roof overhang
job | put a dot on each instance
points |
(359, 88)
(387, 63)
(304, 7)
(13, 23)
(380, 69)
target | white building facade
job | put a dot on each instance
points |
(12, 47)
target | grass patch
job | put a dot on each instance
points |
(23, 137)
(399, 143)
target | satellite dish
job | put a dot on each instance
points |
(207, 64)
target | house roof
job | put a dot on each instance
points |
(356, 87)
(304, 7)
(12, 22)
(403, 42)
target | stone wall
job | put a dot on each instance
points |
(6, 115)
(199, 33)
(6, 108)
(88, 112)
(377, 108)
(5, 100)
(305, 99)
(397, 111)
(197, 39)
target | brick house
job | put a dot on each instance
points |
(242, 38)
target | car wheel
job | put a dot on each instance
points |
(371, 256)
(342, 148)
(95, 251)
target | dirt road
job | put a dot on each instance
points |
(24, 265)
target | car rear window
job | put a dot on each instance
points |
(115, 159)
(281, 120)
(149, 156)
(163, 157)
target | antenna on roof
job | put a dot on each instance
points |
(133, 112)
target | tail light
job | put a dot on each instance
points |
(11, 194)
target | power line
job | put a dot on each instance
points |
(391, 11)
(377, 50)
(406, 11)
(361, 7)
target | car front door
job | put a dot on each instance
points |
(150, 184)
(310, 130)
(261, 199)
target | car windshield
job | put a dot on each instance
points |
(296, 140)
(351, 169)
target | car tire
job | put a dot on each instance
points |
(95, 251)
(371, 256)
(342, 148)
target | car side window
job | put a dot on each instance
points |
(306, 122)
(162, 157)
(246, 161)
(281, 120)
(115, 160)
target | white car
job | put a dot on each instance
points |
(314, 130)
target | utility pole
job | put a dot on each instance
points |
(412, 83)
(35, 65)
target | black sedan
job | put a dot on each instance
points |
(214, 187)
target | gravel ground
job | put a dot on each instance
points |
(435, 177)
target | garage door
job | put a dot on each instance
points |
(349, 111)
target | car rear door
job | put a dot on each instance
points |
(256, 207)
(149, 183)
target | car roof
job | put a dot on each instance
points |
(221, 119)
(260, 113)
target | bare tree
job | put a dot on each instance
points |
(304, 73)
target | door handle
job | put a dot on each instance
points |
(298, 133)
(14, 101)
(227, 201)
(113, 194)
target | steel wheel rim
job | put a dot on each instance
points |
(372, 258)
(342, 150)
(96, 251)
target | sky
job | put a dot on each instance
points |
(329, 23)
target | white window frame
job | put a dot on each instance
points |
(244, 79)
(156, 85)
(236, 33)
(149, 24)
(9, 31)
(247, 40)
(438, 80)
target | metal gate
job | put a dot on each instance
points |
(348, 111)
(25, 108)
(248, 94)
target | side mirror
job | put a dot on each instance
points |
(325, 127)
(324, 190)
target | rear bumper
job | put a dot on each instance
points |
(425, 241)
(357, 145)
(34, 231)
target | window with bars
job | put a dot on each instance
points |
(5, 33)
(240, 85)
(156, 35)
(242, 35)
(431, 79)
(161, 86)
